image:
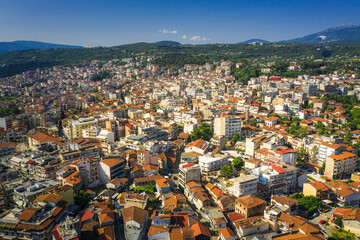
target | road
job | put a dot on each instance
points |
(324, 216)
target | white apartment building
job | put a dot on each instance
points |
(227, 126)
(199, 146)
(279, 178)
(244, 185)
(327, 149)
(189, 127)
(212, 163)
(282, 155)
(106, 136)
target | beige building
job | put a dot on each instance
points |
(351, 221)
(317, 189)
(227, 126)
(244, 185)
(339, 166)
(74, 128)
(189, 172)
(253, 143)
(136, 113)
(250, 205)
(218, 141)
(144, 157)
(111, 168)
(252, 163)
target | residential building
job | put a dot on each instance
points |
(253, 143)
(25, 194)
(226, 234)
(341, 165)
(251, 225)
(217, 218)
(135, 223)
(218, 142)
(7, 148)
(111, 168)
(199, 146)
(317, 189)
(279, 178)
(144, 157)
(282, 155)
(189, 172)
(244, 185)
(327, 149)
(250, 205)
(227, 126)
(212, 163)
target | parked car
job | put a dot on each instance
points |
(322, 221)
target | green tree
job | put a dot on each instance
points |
(202, 132)
(320, 127)
(238, 163)
(235, 138)
(9, 111)
(295, 120)
(348, 136)
(302, 156)
(147, 188)
(338, 221)
(226, 171)
(308, 204)
(323, 166)
(82, 198)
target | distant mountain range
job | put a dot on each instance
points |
(344, 35)
(349, 35)
(167, 43)
(254, 40)
(27, 45)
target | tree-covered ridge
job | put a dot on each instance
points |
(180, 59)
(19, 61)
(9, 111)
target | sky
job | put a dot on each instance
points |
(93, 23)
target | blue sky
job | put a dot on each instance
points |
(108, 23)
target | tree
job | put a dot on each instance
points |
(238, 163)
(308, 204)
(147, 188)
(302, 155)
(295, 120)
(320, 127)
(226, 171)
(62, 114)
(235, 138)
(82, 198)
(348, 136)
(323, 167)
(338, 221)
(202, 132)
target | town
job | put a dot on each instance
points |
(128, 149)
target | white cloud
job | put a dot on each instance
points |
(199, 38)
(184, 37)
(165, 31)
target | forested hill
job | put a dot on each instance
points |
(27, 45)
(19, 61)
